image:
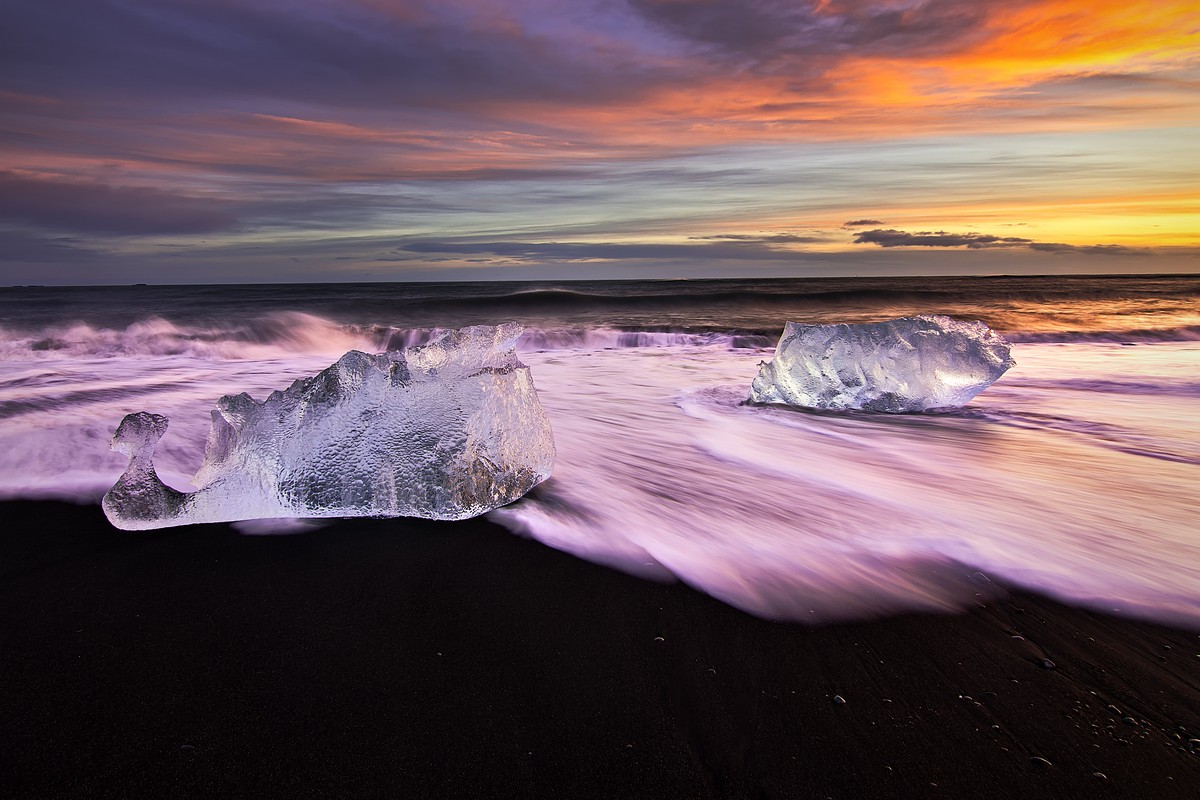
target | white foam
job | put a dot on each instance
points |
(805, 516)
(277, 334)
(1041, 480)
(290, 334)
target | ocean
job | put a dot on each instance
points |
(1076, 475)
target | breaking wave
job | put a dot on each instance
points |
(280, 333)
(1072, 475)
(283, 334)
(1183, 333)
(288, 333)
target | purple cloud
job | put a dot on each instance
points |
(238, 55)
(764, 31)
(95, 207)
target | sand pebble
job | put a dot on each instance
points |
(1039, 761)
(837, 698)
(1100, 775)
(1048, 664)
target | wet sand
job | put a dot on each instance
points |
(410, 659)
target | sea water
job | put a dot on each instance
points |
(1077, 474)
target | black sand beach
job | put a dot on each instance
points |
(412, 659)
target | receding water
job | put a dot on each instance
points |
(1076, 474)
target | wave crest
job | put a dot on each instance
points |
(275, 334)
(287, 333)
(1183, 333)
(282, 334)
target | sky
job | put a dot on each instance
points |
(214, 141)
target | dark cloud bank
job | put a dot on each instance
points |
(765, 31)
(338, 55)
(93, 207)
(890, 237)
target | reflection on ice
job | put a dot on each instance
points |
(900, 366)
(447, 430)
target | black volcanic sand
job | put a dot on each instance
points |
(411, 659)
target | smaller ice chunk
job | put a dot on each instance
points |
(904, 365)
(447, 430)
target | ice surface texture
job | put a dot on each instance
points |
(901, 366)
(447, 430)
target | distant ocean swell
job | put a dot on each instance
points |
(555, 298)
(1183, 333)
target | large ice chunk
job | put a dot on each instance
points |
(904, 365)
(447, 430)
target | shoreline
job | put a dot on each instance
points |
(376, 658)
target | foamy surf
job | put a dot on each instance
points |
(1073, 475)
(806, 516)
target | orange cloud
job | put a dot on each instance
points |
(380, 94)
(1015, 72)
(1070, 36)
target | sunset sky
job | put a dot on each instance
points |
(198, 141)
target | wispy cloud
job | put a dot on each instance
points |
(590, 251)
(765, 238)
(764, 31)
(733, 128)
(94, 207)
(1091, 249)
